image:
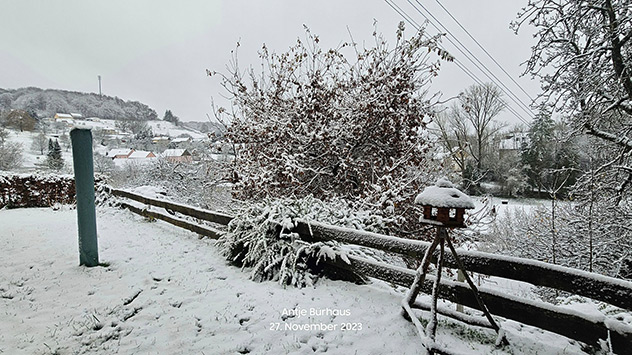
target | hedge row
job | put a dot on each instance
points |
(22, 190)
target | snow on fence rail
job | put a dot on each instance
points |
(588, 329)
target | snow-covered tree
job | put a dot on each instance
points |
(480, 106)
(39, 143)
(170, 117)
(467, 128)
(102, 164)
(54, 159)
(3, 135)
(65, 141)
(136, 127)
(10, 152)
(582, 56)
(550, 156)
(325, 122)
(537, 155)
(19, 119)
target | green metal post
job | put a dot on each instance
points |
(84, 185)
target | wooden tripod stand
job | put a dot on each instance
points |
(428, 335)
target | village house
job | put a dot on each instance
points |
(177, 155)
(141, 154)
(64, 118)
(512, 144)
(119, 153)
(160, 139)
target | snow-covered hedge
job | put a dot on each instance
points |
(24, 190)
(274, 252)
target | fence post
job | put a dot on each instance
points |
(460, 276)
(81, 139)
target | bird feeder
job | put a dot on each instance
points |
(444, 205)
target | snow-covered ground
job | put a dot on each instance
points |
(158, 127)
(163, 128)
(164, 291)
(502, 205)
(31, 158)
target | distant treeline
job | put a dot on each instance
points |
(45, 103)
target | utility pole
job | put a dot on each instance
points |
(99, 76)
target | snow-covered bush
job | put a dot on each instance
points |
(605, 249)
(261, 237)
(199, 184)
(10, 155)
(343, 122)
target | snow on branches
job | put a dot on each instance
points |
(346, 121)
(582, 54)
(582, 57)
(261, 237)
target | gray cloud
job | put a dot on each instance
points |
(157, 51)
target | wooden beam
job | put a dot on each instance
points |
(196, 228)
(602, 288)
(538, 314)
(210, 216)
(461, 317)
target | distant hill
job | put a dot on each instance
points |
(206, 127)
(45, 103)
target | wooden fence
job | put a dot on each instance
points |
(585, 328)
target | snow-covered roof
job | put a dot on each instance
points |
(514, 141)
(139, 154)
(174, 152)
(74, 114)
(119, 151)
(180, 140)
(63, 115)
(444, 194)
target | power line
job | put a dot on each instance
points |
(484, 50)
(418, 27)
(469, 55)
(460, 65)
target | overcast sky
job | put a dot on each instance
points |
(157, 51)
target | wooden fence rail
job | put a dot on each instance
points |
(602, 288)
(210, 216)
(545, 316)
(195, 228)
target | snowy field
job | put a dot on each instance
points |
(32, 159)
(158, 127)
(164, 291)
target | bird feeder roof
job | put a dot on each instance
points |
(444, 195)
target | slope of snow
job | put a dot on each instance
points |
(164, 128)
(158, 127)
(32, 159)
(163, 290)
